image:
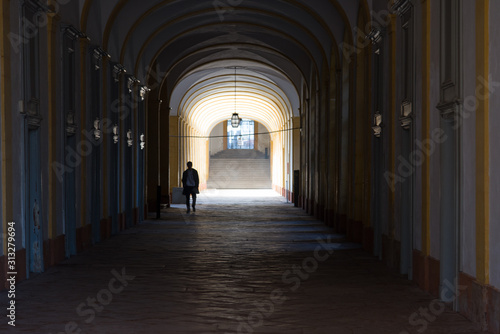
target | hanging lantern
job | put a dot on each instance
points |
(235, 120)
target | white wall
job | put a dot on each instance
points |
(264, 139)
(217, 144)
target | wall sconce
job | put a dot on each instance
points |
(130, 141)
(375, 36)
(406, 114)
(74, 33)
(99, 54)
(116, 136)
(143, 141)
(143, 91)
(131, 82)
(118, 69)
(70, 124)
(97, 129)
(30, 110)
(377, 128)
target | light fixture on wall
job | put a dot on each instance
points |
(235, 119)
(70, 124)
(143, 141)
(130, 141)
(406, 117)
(377, 126)
(97, 129)
(99, 55)
(131, 81)
(143, 91)
(116, 135)
(118, 70)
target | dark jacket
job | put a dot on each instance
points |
(195, 176)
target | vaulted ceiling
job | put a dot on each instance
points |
(192, 48)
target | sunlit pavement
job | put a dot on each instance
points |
(245, 262)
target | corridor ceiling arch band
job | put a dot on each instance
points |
(257, 83)
(304, 44)
(306, 31)
(144, 16)
(112, 19)
(298, 16)
(217, 108)
(235, 48)
(208, 103)
(215, 27)
(218, 63)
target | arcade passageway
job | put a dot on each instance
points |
(377, 120)
(244, 263)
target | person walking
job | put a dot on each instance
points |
(190, 182)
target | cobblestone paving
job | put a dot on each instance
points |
(237, 265)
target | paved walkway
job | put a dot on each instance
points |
(235, 266)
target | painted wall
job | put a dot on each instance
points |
(2, 83)
(397, 139)
(468, 133)
(435, 124)
(217, 144)
(18, 136)
(69, 11)
(53, 137)
(494, 140)
(417, 202)
(310, 160)
(264, 139)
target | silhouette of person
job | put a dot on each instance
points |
(190, 182)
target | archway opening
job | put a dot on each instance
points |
(251, 156)
(240, 156)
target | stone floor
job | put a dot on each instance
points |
(245, 262)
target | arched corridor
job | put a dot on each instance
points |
(369, 121)
(256, 265)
